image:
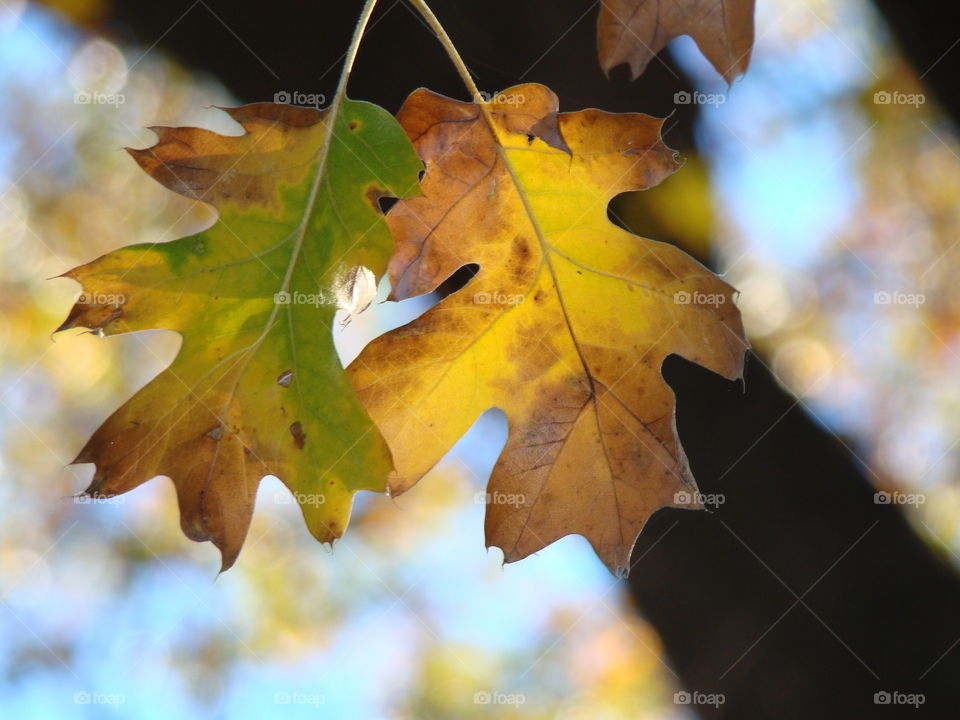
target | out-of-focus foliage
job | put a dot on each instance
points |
(836, 183)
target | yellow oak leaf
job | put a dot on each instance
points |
(564, 327)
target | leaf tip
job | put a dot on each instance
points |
(227, 559)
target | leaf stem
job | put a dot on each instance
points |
(330, 122)
(462, 69)
(464, 72)
(351, 54)
(448, 45)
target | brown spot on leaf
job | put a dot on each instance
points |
(296, 429)
(373, 195)
(521, 248)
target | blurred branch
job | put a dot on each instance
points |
(927, 34)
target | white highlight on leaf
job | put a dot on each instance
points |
(355, 289)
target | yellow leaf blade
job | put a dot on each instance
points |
(564, 327)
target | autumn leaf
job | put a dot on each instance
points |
(257, 387)
(633, 31)
(564, 327)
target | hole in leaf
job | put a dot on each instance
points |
(385, 202)
(456, 281)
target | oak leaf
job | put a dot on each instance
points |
(257, 387)
(634, 31)
(564, 327)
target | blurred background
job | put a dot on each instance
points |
(823, 185)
